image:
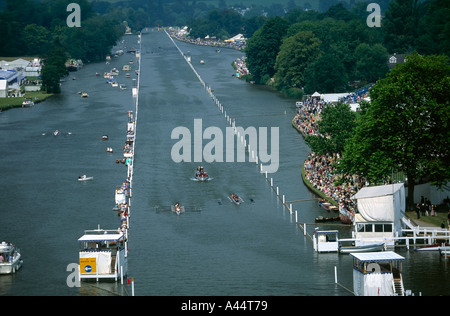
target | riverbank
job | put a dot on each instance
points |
(36, 96)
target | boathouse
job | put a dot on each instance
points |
(381, 209)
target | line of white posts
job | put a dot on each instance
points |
(232, 123)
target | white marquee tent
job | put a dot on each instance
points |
(383, 203)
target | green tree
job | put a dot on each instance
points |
(36, 39)
(54, 68)
(371, 62)
(400, 25)
(263, 47)
(406, 126)
(327, 75)
(296, 53)
(434, 28)
(50, 79)
(337, 124)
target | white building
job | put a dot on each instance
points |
(381, 209)
(3, 88)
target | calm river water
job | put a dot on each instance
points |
(215, 247)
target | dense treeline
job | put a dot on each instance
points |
(32, 28)
(329, 51)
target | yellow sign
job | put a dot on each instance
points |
(88, 265)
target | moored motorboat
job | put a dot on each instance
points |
(363, 248)
(321, 219)
(84, 178)
(10, 258)
(433, 247)
(27, 103)
(327, 205)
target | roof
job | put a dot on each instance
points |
(377, 256)
(9, 75)
(101, 237)
(380, 190)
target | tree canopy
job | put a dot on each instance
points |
(406, 126)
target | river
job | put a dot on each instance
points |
(215, 247)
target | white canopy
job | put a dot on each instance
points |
(377, 256)
(101, 237)
(384, 203)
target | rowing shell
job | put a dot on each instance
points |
(240, 200)
(178, 212)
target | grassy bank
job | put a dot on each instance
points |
(431, 220)
(9, 103)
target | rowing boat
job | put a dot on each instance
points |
(177, 210)
(236, 199)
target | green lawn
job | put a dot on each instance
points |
(432, 220)
(37, 96)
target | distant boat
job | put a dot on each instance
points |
(27, 103)
(235, 199)
(84, 178)
(11, 258)
(364, 248)
(84, 95)
(202, 62)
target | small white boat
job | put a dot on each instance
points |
(109, 149)
(434, 247)
(84, 95)
(56, 133)
(84, 178)
(202, 62)
(10, 258)
(363, 248)
(27, 103)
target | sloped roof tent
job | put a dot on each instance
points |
(382, 203)
(239, 37)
